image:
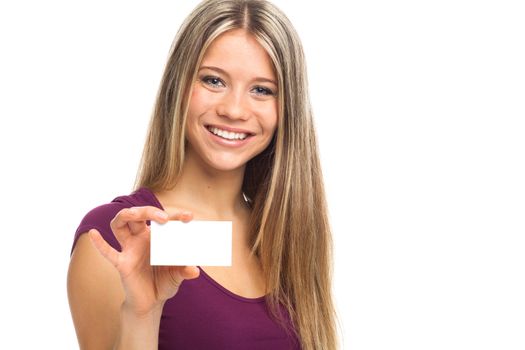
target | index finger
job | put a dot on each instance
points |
(126, 215)
(133, 220)
(161, 216)
(142, 213)
(180, 214)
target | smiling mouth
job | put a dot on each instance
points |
(227, 135)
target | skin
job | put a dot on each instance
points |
(116, 299)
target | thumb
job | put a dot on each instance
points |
(103, 247)
(189, 272)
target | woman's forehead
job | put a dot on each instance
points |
(239, 51)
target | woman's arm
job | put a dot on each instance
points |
(116, 298)
(95, 297)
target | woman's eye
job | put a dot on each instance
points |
(212, 81)
(216, 82)
(259, 90)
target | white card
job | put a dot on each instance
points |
(197, 243)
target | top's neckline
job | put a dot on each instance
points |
(202, 272)
(229, 292)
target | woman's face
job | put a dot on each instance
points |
(233, 108)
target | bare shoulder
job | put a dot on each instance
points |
(95, 295)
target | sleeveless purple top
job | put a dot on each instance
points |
(203, 314)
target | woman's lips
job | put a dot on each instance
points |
(229, 129)
(228, 138)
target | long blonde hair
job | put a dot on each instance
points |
(289, 228)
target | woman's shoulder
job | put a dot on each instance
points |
(100, 216)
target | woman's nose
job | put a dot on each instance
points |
(233, 105)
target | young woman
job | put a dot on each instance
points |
(231, 138)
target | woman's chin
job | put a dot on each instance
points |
(226, 165)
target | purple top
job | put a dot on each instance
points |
(203, 314)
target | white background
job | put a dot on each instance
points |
(420, 109)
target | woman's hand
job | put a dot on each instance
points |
(146, 287)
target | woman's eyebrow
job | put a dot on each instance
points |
(220, 70)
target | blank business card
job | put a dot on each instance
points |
(198, 243)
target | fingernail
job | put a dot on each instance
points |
(162, 214)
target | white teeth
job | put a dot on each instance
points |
(228, 135)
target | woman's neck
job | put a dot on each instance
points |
(209, 193)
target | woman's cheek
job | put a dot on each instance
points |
(200, 98)
(270, 115)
